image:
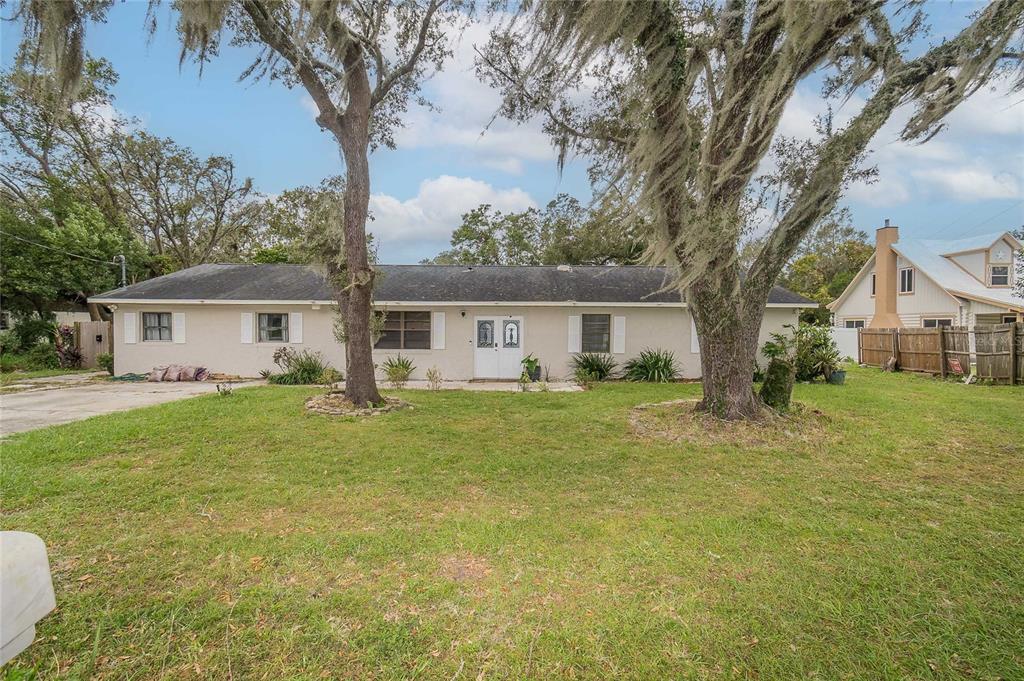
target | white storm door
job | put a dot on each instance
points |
(486, 350)
(511, 350)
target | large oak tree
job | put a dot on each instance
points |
(688, 98)
(361, 62)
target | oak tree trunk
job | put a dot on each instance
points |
(728, 334)
(355, 298)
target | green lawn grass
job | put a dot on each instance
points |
(503, 535)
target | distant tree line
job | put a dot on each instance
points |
(80, 184)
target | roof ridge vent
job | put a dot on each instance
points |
(564, 268)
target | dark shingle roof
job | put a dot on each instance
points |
(421, 283)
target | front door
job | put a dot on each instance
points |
(498, 347)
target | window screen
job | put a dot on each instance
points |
(596, 329)
(855, 323)
(936, 323)
(1000, 275)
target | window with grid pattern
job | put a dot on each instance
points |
(405, 331)
(156, 326)
(273, 327)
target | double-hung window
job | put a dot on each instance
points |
(596, 333)
(999, 275)
(156, 326)
(907, 280)
(405, 331)
(273, 327)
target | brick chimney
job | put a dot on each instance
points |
(886, 278)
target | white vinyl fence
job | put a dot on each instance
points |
(846, 339)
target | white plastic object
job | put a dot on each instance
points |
(26, 590)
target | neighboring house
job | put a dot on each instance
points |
(468, 321)
(927, 283)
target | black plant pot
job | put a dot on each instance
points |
(534, 374)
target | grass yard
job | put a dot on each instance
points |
(501, 535)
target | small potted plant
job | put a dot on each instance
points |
(531, 367)
(827, 362)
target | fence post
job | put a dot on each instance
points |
(942, 351)
(1012, 330)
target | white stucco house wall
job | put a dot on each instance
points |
(927, 283)
(471, 322)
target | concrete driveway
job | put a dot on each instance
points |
(54, 402)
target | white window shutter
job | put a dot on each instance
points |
(131, 327)
(247, 327)
(294, 327)
(178, 327)
(575, 333)
(619, 335)
(437, 331)
(694, 343)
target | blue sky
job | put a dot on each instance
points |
(968, 180)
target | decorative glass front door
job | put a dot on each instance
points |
(498, 347)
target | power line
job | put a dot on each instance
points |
(57, 250)
(945, 228)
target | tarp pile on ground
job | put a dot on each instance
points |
(178, 372)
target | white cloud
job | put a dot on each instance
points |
(969, 184)
(436, 210)
(977, 156)
(887, 192)
(466, 112)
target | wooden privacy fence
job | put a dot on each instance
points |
(876, 346)
(92, 340)
(998, 351)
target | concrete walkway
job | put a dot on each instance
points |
(47, 405)
(490, 386)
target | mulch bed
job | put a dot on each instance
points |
(677, 421)
(335, 403)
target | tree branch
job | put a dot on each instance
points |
(387, 82)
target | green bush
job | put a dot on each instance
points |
(32, 330)
(9, 343)
(8, 363)
(598, 365)
(398, 369)
(42, 356)
(809, 347)
(652, 365)
(106, 362)
(298, 368)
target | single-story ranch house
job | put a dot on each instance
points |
(471, 322)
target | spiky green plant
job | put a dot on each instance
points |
(653, 366)
(600, 366)
(398, 369)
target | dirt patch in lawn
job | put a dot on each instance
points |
(336, 404)
(465, 567)
(677, 421)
